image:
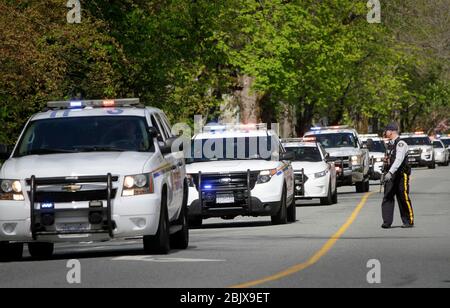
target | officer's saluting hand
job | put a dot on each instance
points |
(396, 180)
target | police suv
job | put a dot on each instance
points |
(441, 153)
(93, 171)
(350, 156)
(315, 176)
(239, 170)
(421, 153)
(377, 152)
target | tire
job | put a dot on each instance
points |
(292, 212)
(11, 251)
(41, 250)
(195, 222)
(281, 217)
(335, 196)
(367, 186)
(360, 187)
(328, 200)
(432, 166)
(160, 242)
(180, 239)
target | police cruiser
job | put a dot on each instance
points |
(377, 152)
(351, 157)
(441, 153)
(239, 170)
(421, 153)
(315, 177)
(93, 171)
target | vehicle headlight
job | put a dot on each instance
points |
(11, 190)
(266, 175)
(320, 174)
(355, 160)
(135, 185)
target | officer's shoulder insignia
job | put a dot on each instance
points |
(401, 144)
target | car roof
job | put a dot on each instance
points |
(414, 136)
(93, 112)
(234, 134)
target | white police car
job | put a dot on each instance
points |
(93, 171)
(351, 157)
(441, 153)
(240, 170)
(315, 177)
(421, 153)
(377, 153)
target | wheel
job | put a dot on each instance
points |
(432, 166)
(328, 200)
(360, 187)
(41, 250)
(292, 212)
(180, 239)
(335, 196)
(160, 242)
(281, 217)
(367, 186)
(195, 222)
(11, 251)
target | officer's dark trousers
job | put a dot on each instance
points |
(397, 187)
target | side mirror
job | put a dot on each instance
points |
(167, 147)
(153, 133)
(327, 157)
(5, 152)
(287, 156)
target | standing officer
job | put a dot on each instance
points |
(396, 180)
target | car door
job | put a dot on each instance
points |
(167, 166)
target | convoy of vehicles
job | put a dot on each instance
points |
(421, 152)
(346, 149)
(315, 177)
(98, 170)
(239, 170)
(93, 171)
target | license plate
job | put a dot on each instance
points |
(412, 159)
(73, 227)
(225, 198)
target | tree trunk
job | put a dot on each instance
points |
(248, 100)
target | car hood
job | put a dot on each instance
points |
(77, 164)
(231, 166)
(309, 167)
(339, 152)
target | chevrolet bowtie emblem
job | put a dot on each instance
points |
(72, 188)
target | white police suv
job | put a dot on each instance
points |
(421, 152)
(93, 171)
(377, 153)
(351, 157)
(239, 170)
(315, 177)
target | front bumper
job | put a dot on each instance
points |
(130, 217)
(312, 187)
(421, 161)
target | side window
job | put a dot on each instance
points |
(157, 125)
(168, 126)
(164, 127)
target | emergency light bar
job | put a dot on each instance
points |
(234, 127)
(369, 136)
(299, 140)
(80, 104)
(330, 127)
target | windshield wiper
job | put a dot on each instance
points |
(45, 151)
(100, 149)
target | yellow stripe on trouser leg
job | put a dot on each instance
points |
(411, 215)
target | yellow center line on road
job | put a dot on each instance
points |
(316, 257)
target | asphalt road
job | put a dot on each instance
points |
(326, 247)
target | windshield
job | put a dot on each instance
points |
(309, 154)
(376, 146)
(85, 134)
(446, 142)
(437, 145)
(338, 140)
(417, 140)
(240, 148)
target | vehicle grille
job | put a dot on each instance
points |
(227, 180)
(343, 162)
(65, 197)
(415, 152)
(298, 178)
